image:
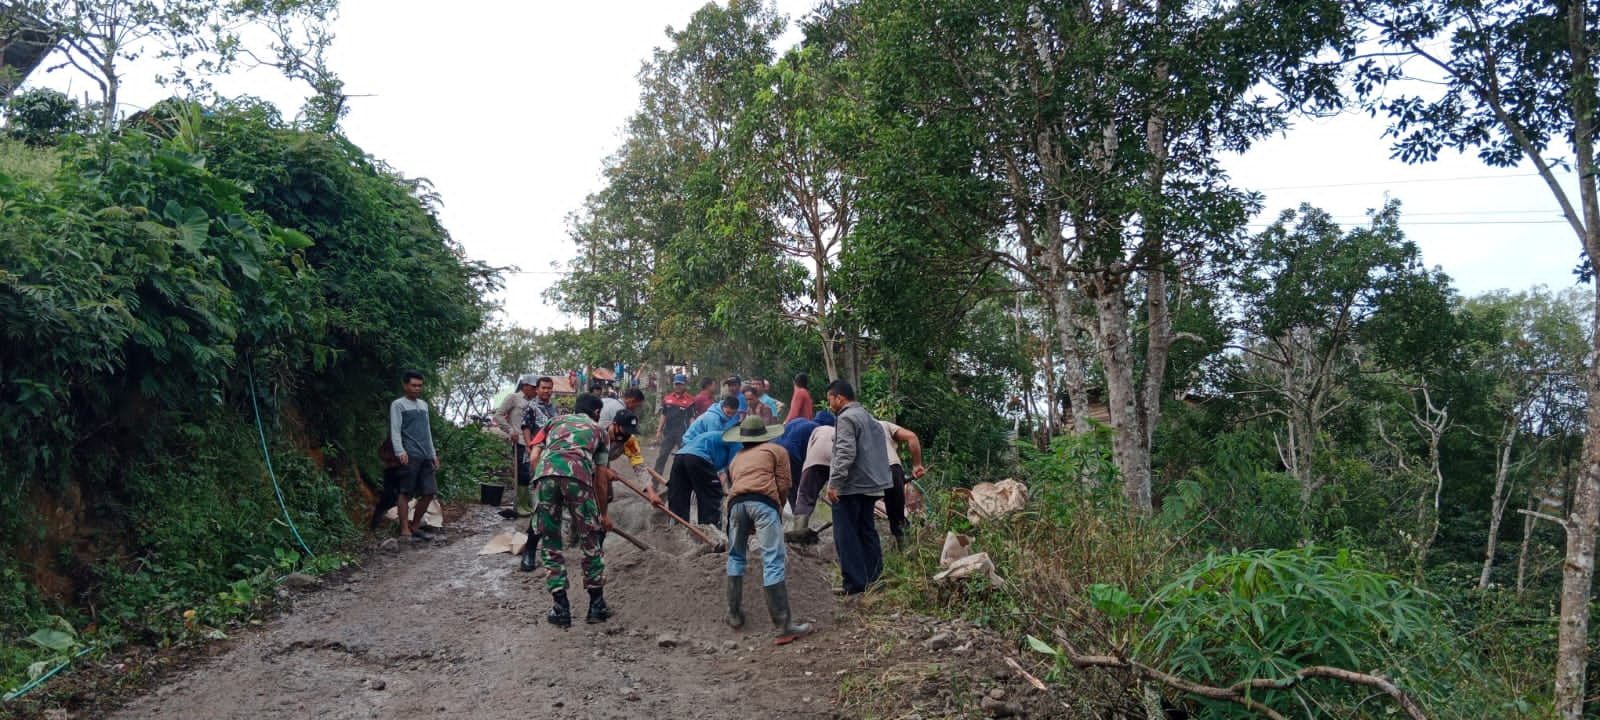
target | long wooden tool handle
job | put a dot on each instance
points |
(663, 508)
(629, 538)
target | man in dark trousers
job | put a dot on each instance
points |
(677, 411)
(696, 467)
(857, 477)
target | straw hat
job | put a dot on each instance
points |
(753, 430)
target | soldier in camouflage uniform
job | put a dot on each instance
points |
(572, 475)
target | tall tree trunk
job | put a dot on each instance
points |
(1158, 348)
(1577, 572)
(1128, 443)
(1073, 376)
(1577, 577)
(1497, 504)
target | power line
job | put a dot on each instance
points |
(1456, 223)
(1400, 182)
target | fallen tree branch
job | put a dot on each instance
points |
(1236, 693)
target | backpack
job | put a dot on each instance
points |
(387, 454)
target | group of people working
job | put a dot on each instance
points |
(731, 460)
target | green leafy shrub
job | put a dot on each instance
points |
(159, 289)
(467, 456)
(1266, 614)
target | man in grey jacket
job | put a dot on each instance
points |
(412, 437)
(857, 478)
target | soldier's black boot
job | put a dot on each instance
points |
(530, 554)
(561, 614)
(598, 612)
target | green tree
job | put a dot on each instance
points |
(1515, 82)
(42, 116)
(98, 37)
(1084, 136)
(1537, 367)
(670, 251)
(1310, 296)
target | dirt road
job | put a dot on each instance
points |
(435, 630)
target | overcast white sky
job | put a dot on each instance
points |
(510, 108)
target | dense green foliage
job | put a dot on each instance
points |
(160, 290)
(1013, 215)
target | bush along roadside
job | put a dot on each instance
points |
(1119, 613)
(176, 298)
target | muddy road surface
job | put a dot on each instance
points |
(437, 630)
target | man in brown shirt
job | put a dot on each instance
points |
(758, 484)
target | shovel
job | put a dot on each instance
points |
(715, 547)
(629, 538)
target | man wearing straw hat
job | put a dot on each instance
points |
(758, 484)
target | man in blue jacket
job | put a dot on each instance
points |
(703, 456)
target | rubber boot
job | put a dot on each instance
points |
(530, 554)
(524, 501)
(561, 614)
(598, 612)
(735, 617)
(800, 531)
(778, 608)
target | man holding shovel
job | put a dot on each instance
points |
(758, 483)
(572, 476)
(508, 417)
(696, 467)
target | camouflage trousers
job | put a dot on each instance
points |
(555, 495)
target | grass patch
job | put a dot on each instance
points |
(22, 162)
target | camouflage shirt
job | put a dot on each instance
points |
(573, 447)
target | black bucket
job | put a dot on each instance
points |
(491, 494)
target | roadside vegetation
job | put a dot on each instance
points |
(1277, 468)
(162, 288)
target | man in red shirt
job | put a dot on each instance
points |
(677, 411)
(706, 398)
(800, 403)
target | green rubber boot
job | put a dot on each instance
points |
(524, 501)
(778, 608)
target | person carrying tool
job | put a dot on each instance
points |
(758, 482)
(623, 435)
(695, 468)
(572, 476)
(818, 455)
(795, 438)
(508, 418)
(894, 499)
